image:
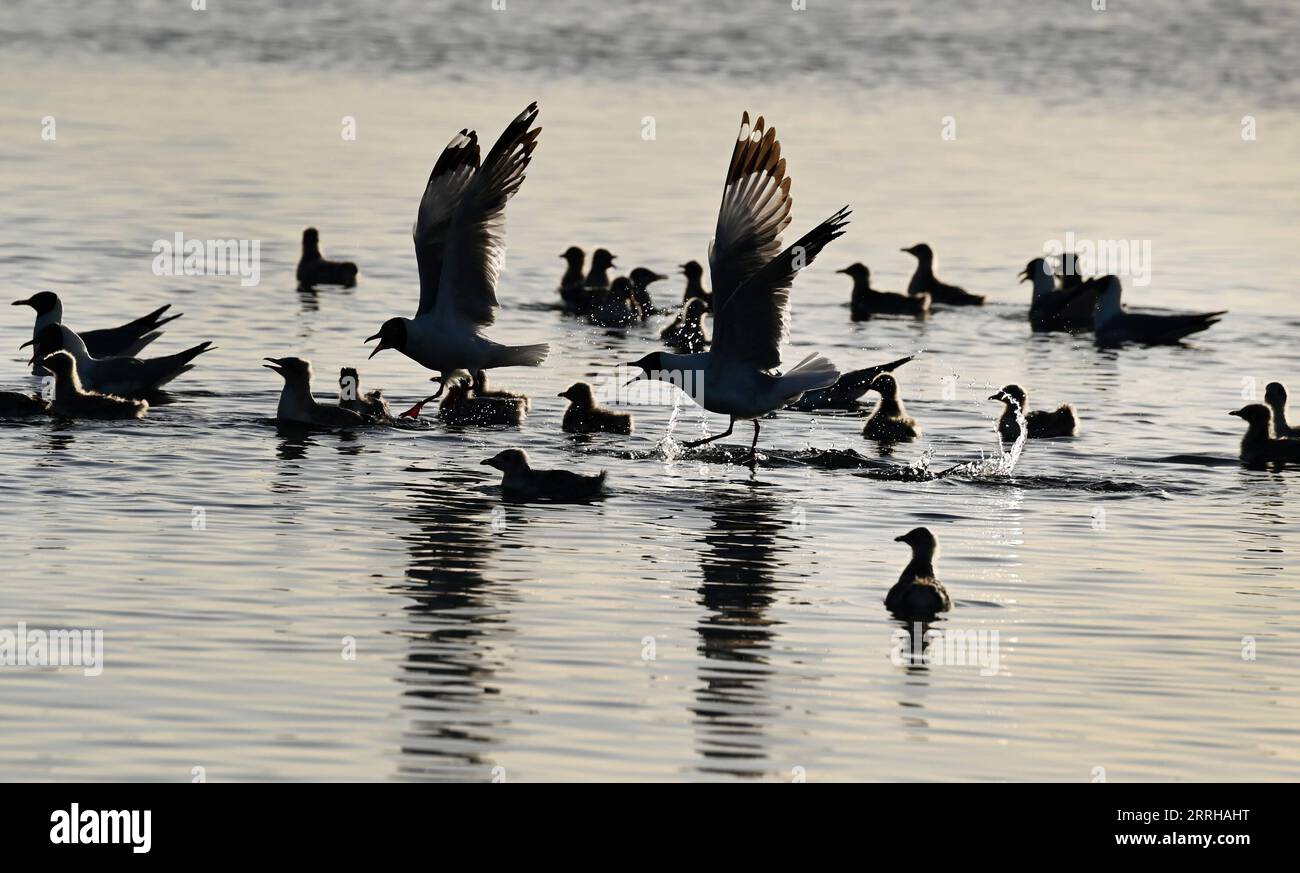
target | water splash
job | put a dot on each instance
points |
(668, 449)
(1004, 462)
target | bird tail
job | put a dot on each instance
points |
(522, 356)
(809, 374)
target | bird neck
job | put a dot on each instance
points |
(295, 396)
(890, 405)
(694, 286)
(1280, 424)
(54, 315)
(572, 273)
(1257, 433)
(67, 385)
(920, 567)
(1043, 284)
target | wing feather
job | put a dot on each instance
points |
(448, 180)
(476, 238)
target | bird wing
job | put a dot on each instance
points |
(1146, 327)
(755, 210)
(442, 194)
(110, 341)
(476, 238)
(751, 325)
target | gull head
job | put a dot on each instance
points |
(857, 272)
(923, 543)
(310, 238)
(1032, 269)
(885, 385)
(921, 252)
(650, 365)
(692, 270)
(292, 369)
(61, 364)
(42, 302)
(1011, 394)
(601, 259)
(509, 461)
(574, 255)
(1254, 414)
(641, 277)
(579, 394)
(48, 340)
(392, 335)
(1275, 394)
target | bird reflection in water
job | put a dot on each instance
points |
(732, 700)
(452, 624)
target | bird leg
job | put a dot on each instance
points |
(753, 447)
(719, 436)
(414, 411)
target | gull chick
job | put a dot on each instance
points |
(752, 277)
(519, 481)
(642, 278)
(601, 263)
(918, 594)
(571, 290)
(1259, 444)
(1275, 397)
(1060, 422)
(314, 270)
(694, 274)
(617, 306)
(462, 406)
(889, 423)
(867, 301)
(71, 400)
(584, 415)
(368, 403)
(686, 333)
(16, 404)
(459, 249)
(297, 404)
(924, 282)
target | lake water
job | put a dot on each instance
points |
(703, 621)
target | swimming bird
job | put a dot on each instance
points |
(686, 332)
(918, 594)
(1060, 422)
(459, 246)
(314, 270)
(127, 339)
(694, 274)
(751, 279)
(297, 404)
(71, 400)
(1114, 325)
(1275, 397)
(867, 301)
(17, 404)
(846, 391)
(1259, 445)
(1067, 308)
(641, 279)
(571, 290)
(889, 422)
(601, 263)
(924, 282)
(461, 406)
(617, 306)
(368, 403)
(519, 481)
(483, 388)
(585, 415)
(128, 377)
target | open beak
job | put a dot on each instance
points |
(377, 349)
(26, 344)
(274, 365)
(1024, 275)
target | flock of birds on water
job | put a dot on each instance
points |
(459, 238)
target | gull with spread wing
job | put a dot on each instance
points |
(459, 247)
(751, 278)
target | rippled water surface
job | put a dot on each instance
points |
(703, 621)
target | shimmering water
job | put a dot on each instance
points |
(703, 621)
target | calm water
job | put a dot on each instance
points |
(1121, 569)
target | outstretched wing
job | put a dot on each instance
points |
(476, 238)
(447, 183)
(753, 323)
(755, 210)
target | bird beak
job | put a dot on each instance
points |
(564, 394)
(1236, 412)
(26, 344)
(997, 396)
(845, 270)
(377, 349)
(1024, 275)
(635, 378)
(274, 365)
(903, 538)
(27, 302)
(909, 251)
(659, 277)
